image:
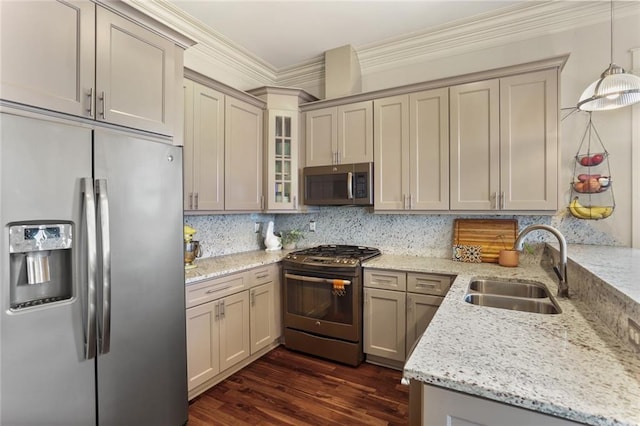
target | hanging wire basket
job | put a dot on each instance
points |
(592, 186)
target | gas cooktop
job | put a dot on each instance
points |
(333, 255)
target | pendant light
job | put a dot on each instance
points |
(614, 89)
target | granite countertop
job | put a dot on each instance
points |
(567, 365)
(212, 267)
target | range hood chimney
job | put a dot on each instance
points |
(342, 72)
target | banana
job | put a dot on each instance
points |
(582, 212)
(604, 211)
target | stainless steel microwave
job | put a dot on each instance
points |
(338, 185)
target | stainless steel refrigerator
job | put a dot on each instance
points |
(92, 315)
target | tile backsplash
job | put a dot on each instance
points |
(414, 234)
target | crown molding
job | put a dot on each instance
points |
(522, 21)
(556, 62)
(212, 46)
(515, 23)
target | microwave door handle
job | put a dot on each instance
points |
(350, 185)
(316, 279)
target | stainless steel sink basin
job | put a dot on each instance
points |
(525, 296)
(509, 288)
(538, 306)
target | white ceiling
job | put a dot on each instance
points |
(288, 33)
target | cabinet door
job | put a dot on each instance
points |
(208, 149)
(475, 146)
(355, 133)
(429, 150)
(262, 316)
(135, 75)
(282, 160)
(243, 156)
(234, 329)
(187, 148)
(529, 141)
(321, 136)
(420, 310)
(391, 146)
(47, 56)
(384, 323)
(203, 354)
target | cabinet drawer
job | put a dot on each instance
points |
(262, 275)
(433, 284)
(390, 280)
(206, 291)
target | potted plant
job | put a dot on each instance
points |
(290, 238)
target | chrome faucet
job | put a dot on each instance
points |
(563, 284)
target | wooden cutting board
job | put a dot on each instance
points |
(492, 235)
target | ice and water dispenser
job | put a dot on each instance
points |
(41, 264)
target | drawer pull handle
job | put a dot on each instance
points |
(214, 290)
(262, 276)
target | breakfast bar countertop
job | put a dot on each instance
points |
(567, 365)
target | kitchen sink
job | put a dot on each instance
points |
(522, 296)
(538, 306)
(509, 288)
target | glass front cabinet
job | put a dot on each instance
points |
(282, 160)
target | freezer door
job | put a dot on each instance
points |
(142, 379)
(44, 378)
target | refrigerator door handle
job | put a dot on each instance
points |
(104, 321)
(89, 213)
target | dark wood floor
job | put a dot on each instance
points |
(289, 388)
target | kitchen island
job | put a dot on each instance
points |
(568, 365)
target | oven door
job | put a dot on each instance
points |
(325, 304)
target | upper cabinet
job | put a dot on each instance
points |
(135, 75)
(223, 153)
(475, 146)
(52, 65)
(203, 152)
(340, 135)
(82, 59)
(283, 150)
(504, 143)
(243, 156)
(529, 141)
(411, 145)
(281, 160)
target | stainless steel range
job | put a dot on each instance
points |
(323, 301)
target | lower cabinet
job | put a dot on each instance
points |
(384, 323)
(237, 323)
(420, 310)
(217, 337)
(398, 307)
(262, 316)
(444, 407)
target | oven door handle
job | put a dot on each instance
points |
(318, 280)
